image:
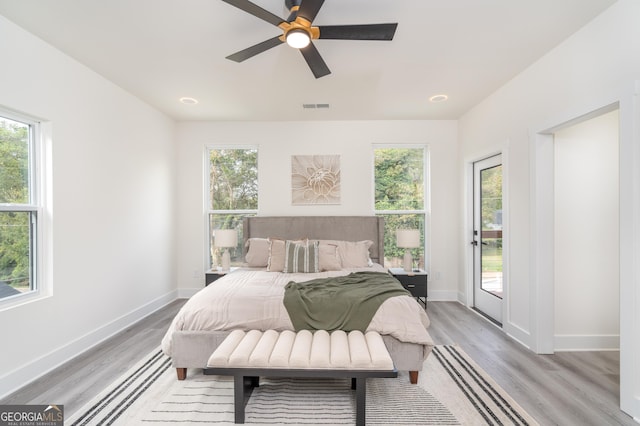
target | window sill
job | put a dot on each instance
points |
(16, 301)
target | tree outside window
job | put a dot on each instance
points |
(400, 197)
(18, 214)
(233, 194)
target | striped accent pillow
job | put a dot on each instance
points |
(301, 257)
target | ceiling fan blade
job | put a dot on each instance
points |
(256, 11)
(309, 9)
(254, 50)
(318, 67)
(358, 32)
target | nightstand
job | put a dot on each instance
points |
(213, 274)
(415, 282)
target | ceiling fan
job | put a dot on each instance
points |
(297, 31)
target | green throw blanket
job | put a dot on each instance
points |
(339, 303)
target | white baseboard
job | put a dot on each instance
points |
(518, 334)
(442, 296)
(21, 376)
(605, 342)
(186, 293)
(462, 298)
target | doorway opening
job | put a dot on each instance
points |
(586, 235)
(579, 234)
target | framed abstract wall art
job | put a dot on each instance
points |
(315, 179)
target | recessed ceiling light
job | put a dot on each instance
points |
(438, 98)
(188, 101)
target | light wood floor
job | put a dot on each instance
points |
(579, 388)
(568, 388)
(81, 379)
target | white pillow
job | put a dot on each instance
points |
(329, 257)
(258, 253)
(353, 254)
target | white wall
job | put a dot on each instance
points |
(587, 272)
(112, 207)
(597, 66)
(353, 141)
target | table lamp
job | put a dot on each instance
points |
(225, 239)
(408, 239)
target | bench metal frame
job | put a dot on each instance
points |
(247, 378)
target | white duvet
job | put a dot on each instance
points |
(249, 299)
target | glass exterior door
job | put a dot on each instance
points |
(487, 237)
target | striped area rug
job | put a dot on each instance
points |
(452, 390)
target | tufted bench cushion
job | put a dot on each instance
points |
(247, 355)
(301, 350)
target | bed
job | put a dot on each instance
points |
(251, 298)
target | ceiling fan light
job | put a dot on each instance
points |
(298, 38)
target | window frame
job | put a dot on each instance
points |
(208, 202)
(426, 208)
(38, 177)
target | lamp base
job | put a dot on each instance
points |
(407, 262)
(226, 261)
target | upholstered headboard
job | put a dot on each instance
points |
(346, 228)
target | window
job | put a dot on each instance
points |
(400, 197)
(19, 207)
(232, 194)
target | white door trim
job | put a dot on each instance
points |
(488, 304)
(542, 299)
(467, 297)
(542, 238)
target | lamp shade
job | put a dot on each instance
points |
(225, 237)
(408, 238)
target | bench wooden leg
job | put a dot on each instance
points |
(413, 377)
(361, 400)
(255, 381)
(242, 388)
(182, 373)
(238, 398)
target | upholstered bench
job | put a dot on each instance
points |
(248, 355)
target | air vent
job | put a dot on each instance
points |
(315, 106)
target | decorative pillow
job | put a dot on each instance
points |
(275, 262)
(258, 252)
(329, 257)
(353, 254)
(301, 257)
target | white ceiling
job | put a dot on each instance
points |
(162, 50)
